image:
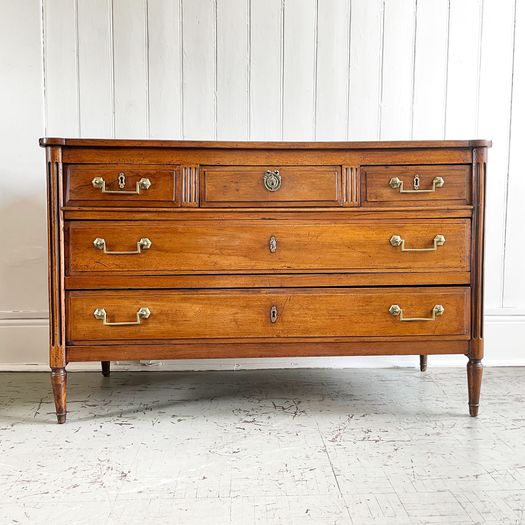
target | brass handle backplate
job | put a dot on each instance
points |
(142, 184)
(397, 240)
(142, 244)
(274, 314)
(397, 311)
(396, 183)
(142, 313)
(272, 244)
(272, 180)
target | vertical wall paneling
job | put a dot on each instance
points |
(514, 289)
(398, 69)
(494, 114)
(95, 68)
(60, 48)
(333, 28)
(199, 79)
(430, 73)
(299, 69)
(463, 68)
(265, 69)
(366, 34)
(130, 68)
(165, 68)
(23, 258)
(232, 69)
(260, 70)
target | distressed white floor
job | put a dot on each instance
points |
(290, 447)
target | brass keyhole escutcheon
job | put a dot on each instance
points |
(416, 182)
(121, 181)
(272, 180)
(272, 244)
(273, 314)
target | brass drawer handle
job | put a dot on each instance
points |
(396, 310)
(272, 244)
(272, 180)
(142, 244)
(397, 240)
(396, 182)
(142, 313)
(142, 184)
(274, 314)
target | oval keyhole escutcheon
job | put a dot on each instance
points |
(272, 180)
(273, 314)
(272, 244)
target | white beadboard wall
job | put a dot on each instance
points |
(259, 70)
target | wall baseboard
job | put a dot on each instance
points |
(23, 347)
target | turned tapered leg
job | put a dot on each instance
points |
(423, 363)
(106, 368)
(59, 382)
(474, 375)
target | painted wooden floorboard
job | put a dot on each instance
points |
(268, 447)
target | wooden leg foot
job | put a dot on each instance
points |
(474, 375)
(423, 363)
(59, 382)
(106, 368)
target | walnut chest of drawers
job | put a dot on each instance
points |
(177, 249)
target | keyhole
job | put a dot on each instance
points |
(416, 182)
(273, 314)
(121, 181)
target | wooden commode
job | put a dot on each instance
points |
(182, 249)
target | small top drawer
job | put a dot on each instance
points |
(431, 185)
(120, 185)
(253, 186)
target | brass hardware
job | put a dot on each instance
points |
(396, 182)
(273, 314)
(142, 244)
(272, 245)
(396, 310)
(272, 180)
(142, 184)
(397, 240)
(142, 313)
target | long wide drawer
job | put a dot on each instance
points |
(261, 313)
(149, 247)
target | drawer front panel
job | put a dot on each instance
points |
(396, 185)
(252, 186)
(120, 185)
(284, 313)
(259, 246)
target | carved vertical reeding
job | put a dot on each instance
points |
(477, 250)
(351, 186)
(189, 186)
(57, 354)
